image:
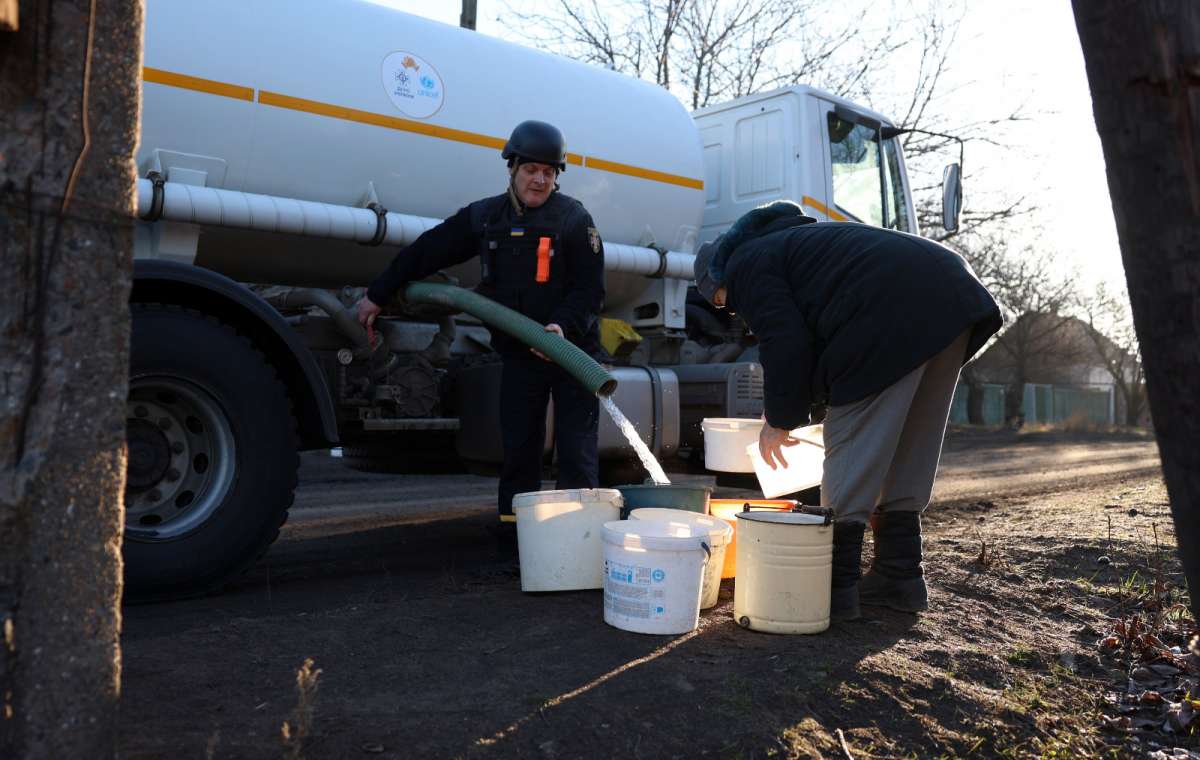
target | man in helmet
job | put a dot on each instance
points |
(540, 254)
(876, 324)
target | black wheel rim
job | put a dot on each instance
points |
(181, 461)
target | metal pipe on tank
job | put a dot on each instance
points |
(271, 213)
(342, 317)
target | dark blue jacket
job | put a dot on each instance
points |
(842, 310)
(507, 243)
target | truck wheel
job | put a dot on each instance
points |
(212, 454)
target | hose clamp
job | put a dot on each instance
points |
(156, 202)
(662, 261)
(380, 224)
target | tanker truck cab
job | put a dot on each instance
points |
(840, 161)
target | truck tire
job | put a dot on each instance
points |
(212, 464)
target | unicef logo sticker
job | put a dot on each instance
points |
(412, 85)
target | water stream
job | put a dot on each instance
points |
(626, 427)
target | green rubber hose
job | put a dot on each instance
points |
(561, 351)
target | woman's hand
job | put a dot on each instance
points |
(771, 442)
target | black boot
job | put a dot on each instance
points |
(847, 570)
(895, 579)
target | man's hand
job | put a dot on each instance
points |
(367, 311)
(548, 328)
(771, 442)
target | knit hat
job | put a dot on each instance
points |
(713, 256)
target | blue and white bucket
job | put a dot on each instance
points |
(653, 575)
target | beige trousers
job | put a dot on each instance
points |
(883, 451)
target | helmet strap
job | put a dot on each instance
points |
(519, 207)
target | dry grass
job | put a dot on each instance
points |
(296, 731)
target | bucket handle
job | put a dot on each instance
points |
(707, 551)
(825, 512)
(797, 507)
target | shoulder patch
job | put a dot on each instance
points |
(594, 239)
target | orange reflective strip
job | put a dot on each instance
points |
(378, 120)
(183, 81)
(816, 204)
(279, 100)
(636, 171)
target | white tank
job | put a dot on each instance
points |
(324, 101)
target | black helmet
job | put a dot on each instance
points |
(536, 142)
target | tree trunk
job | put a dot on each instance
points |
(1143, 66)
(66, 245)
(1014, 402)
(975, 402)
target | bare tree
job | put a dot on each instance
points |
(1142, 61)
(69, 99)
(708, 51)
(1038, 298)
(1110, 330)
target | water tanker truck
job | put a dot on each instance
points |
(289, 150)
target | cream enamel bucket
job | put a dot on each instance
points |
(784, 567)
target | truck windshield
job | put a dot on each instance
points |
(857, 190)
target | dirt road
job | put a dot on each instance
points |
(397, 589)
(333, 499)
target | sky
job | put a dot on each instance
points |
(1030, 48)
(1007, 50)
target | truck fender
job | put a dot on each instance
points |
(170, 282)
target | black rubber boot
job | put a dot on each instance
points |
(895, 579)
(847, 570)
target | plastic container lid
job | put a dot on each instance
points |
(730, 423)
(719, 531)
(656, 534)
(781, 518)
(532, 498)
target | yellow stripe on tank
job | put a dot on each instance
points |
(303, 105)
(592, 162)
(185, 82)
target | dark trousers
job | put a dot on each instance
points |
(526, 386)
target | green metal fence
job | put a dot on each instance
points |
(1040, 404)
(993, 405)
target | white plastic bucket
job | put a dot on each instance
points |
(784, 567)
(805, 464)
(725, 441)
(720, 533)
(653, 575)
(559, 537)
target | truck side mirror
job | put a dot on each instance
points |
(951, 196)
